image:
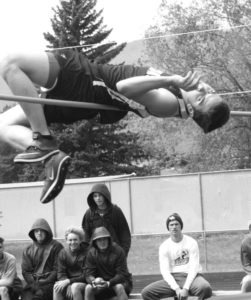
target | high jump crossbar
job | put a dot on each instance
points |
(56, 102)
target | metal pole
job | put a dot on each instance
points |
(54, 216)
(87, 105)
(203, 221)
(236, 113)
(130, 205)
(55, 102)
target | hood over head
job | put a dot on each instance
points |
(41, 224)
(100, 232)
(102, 189)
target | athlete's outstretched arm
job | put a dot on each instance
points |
(135, 87)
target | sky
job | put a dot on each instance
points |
(22, 22)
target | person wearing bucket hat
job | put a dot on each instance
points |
(106, 268)
(102, 212)
(179, 266)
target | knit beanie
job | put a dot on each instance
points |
(174, 217)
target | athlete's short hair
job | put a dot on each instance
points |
(78, 231)
(216, 116)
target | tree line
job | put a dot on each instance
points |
(150, 145)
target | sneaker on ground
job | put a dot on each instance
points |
(40, 149)
(56, 169)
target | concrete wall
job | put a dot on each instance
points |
(218, 201)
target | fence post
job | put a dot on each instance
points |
(130, 206)
(54, 219)
(203, 221)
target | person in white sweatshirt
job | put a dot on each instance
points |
(180, 267)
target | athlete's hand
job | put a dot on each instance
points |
(184, 294)
(188, 82)
(178, 293)
(61, 285)
(102, 285)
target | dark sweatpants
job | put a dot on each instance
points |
(161, 289)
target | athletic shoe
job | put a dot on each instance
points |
(40, 149)
(56, 169)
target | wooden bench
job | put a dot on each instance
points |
(217, 295)
(225, 285)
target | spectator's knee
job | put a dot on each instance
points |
(119, 289)
(77, 287)
(246, 284)
(4, 291)
(145, 294)
(206, 290)
(88, 290)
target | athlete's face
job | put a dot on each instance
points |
(102, 243)
(174, 228)
(73, 242)
(40, 235)
(202, 98)
(99, 199)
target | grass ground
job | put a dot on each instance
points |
(220, 252)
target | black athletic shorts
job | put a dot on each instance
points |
(81, 80)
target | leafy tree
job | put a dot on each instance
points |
(222, 56)
(78, 23)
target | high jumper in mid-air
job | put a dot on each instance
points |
(69, 75)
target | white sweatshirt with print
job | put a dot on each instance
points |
(181, 257)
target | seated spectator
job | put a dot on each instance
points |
(102, 212)
(246, 261)
(70, 273)
(106, 269)
(39, 262)
(179, 266)
(10, 284)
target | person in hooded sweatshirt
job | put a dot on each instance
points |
(106, 269)
(102, 212)
(71, 260)
(39, 262)
(10, 283)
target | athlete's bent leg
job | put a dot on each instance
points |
(21, 72)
